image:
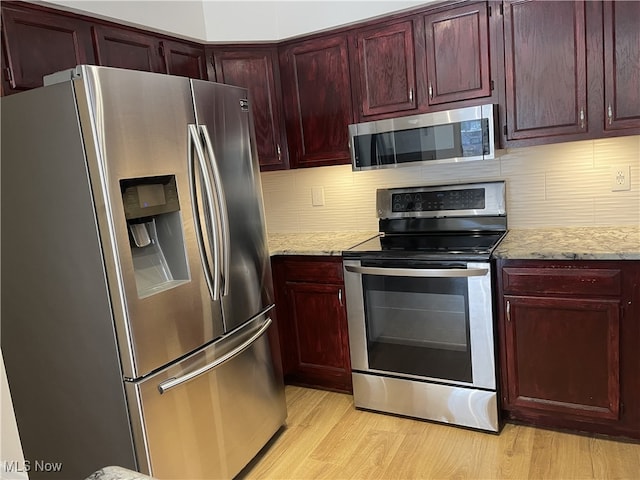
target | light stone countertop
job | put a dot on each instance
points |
(316, 243)
(552, 243)
(571, 243)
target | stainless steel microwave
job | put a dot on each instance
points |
(448, 136)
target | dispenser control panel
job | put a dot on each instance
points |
(149, 196)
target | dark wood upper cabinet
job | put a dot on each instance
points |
(256, 69)
(559, 70)
(457, 60)
(37, 43)
(622, 65)
(545, 69)
(317, 100)
(383, 70)
(184, 59)
(117, 47)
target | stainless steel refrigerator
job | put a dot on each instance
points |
(136, 283)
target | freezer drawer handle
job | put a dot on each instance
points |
(419, 272)
(174, 382)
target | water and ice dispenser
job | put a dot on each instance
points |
(156, 238)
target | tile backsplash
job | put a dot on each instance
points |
(566, 184)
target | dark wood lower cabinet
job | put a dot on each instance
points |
(312, 321)
(569, 334)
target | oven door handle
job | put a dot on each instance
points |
(419, 272)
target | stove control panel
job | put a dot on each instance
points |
(467, 199)
(442, 201)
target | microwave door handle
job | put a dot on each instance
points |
(174, 382)
(222, 209)
(419, 272)
(211, 280)
(374, 150)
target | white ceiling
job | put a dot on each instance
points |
(235, 21)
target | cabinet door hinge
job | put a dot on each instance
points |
(489, 10)
(492, 85)
(505, 129)
(621, 408)
(501, 8)
(161, 49)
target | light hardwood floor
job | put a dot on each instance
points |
(326, 437)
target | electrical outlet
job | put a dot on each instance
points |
(620, 177)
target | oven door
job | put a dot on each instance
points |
(421, 320)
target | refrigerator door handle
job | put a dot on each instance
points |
(222, 208)
(165, 386)
(211, 280)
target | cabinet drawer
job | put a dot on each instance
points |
(576, 281)
(314, 269)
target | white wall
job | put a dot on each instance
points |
(182, 18)
(238, 20)
(276, 20)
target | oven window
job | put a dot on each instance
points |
(418, 326)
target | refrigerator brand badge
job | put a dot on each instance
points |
(244, 105)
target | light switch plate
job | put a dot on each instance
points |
(620, 177)
(317, 196)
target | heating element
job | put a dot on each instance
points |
(420, 304)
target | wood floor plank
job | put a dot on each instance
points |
(327, 438)
(311, 415)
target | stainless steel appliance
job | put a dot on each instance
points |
(136, 290)
(449, 136)
(419, 305)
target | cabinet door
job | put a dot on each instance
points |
(384, 77)
(312, 321)
(319, 326)
(184, 59)
(563, 356)
(545, 68)
(317, 101)
(256, 69)
(116, 47)
(38, 43)
(457, 54)
(622, 65)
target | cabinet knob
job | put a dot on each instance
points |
(340, 297)
(610, 114)
(430, 91)
(278, 151)
(508, 311)
(582, 118)
(411, 94)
